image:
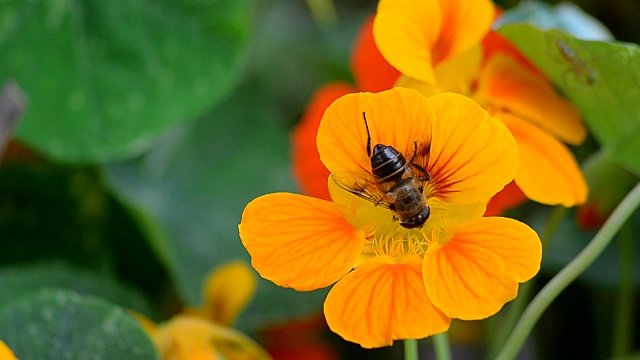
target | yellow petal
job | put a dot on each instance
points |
(5, 352)
(149, 326)
(398, 117)
(505, 83)
(473, 156)
(298, 241)
(548, 173)
(458, 73)
(383, 300)
(188, 338)
(415, 36)
(477, 270)
(227, 291)
(405, 38)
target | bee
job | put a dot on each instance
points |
(394, 183)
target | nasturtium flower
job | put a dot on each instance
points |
(372, 73)
(205, 333)
(392, 282)
(423, 41)
(6, 353)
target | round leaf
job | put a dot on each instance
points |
(61, 324)
(105, 78)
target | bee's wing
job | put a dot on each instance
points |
(419, 156)
(361, 185)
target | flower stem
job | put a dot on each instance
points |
(411, 349)
(623, 328)
(569, 273)
(442, 347)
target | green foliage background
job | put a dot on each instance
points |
(151, 124)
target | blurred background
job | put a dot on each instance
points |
(151, 124)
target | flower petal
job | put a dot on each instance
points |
(405, 38)
(188, 338)
(473, 156)
(508, 198)
(5, 352)
(507, 84)
(298, 241)
(227, 291)
(415, 36)
(307, 167)
(473, 274)
(370, 70)
(398, 117)
(548, 173)
(381, 301)
(465, 25)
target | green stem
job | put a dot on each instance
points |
(411, 349)
(441, 346)
(323, 12)
(569, 273)
(623, 327)
(526, 290)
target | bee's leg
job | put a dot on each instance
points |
(425, 176)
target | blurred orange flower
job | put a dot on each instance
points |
(407, 282)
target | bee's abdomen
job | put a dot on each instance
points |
(387, 163)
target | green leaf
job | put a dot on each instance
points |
(600, 78)
(105, 78)
(16, 281)
(193, 187)
(61, 324)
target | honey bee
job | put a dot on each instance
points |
(394, 183)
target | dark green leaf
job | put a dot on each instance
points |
(191, 190)
(105, 78)
(61, 324)
(600, 78)
(16, 281)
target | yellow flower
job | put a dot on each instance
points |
(205, 333)
(395, 282)
(436, 44)
(6, 353)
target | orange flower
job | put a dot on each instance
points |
(426, 42)
(371, 73)
(395, 282)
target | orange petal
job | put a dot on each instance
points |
(370, 70)
(397, 117)
(405, 39)
(415, 36)
(507, 84)
(307, 167)
(548, 173)
(494, 43)
(473, 274)
(383, 300)
(473, 156)
(227, 291)
(189, 338)
(298, 241)
(508, 198)
(465, 25)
